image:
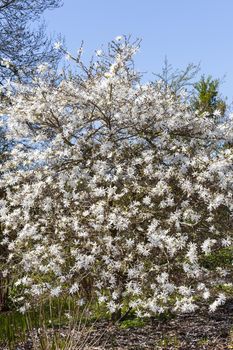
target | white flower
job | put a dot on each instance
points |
(112, 306)
(68, 56)
(57, 45)
(99, 192)
(186, 291)
(226, 242)
(6, 62)
(217, 113)
(99, 53)
(146, 200)
(206, 294)
(219, 301)
(118, 38)
(129, 242)
(42, 68)
(185, 305)
(55, 292)
(192, 253)
(81, 302)
(102, 298)
(207, 244)
(74, 288)
(69, 317)
(5, 273)
(24, 308)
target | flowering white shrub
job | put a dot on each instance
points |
(116, 190)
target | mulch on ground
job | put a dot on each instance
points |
(186, 332)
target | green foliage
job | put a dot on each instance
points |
(169, 341)
(165, 316)
(208, 98)
(220, 258)
(226, 288)
(13, 328)
(203, 341)
(131, 323)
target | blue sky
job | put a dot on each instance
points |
(197, 31)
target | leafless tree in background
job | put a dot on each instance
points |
(24, 43)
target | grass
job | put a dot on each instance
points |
(132, 323)
(203, 341)
(51, 317)
(221, 258)
(13, 328)
(168, 341)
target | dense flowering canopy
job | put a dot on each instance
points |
(116, 190)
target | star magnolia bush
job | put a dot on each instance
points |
(116, 190)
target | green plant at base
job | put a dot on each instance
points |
(131, 323)
(168, 341)
(222, 257)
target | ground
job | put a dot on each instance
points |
(185, 332)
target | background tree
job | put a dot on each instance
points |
(23, 42)
(176, 80)
(24, 48)
(203, 95)
(207, 97)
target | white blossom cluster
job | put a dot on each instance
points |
(115, 190)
